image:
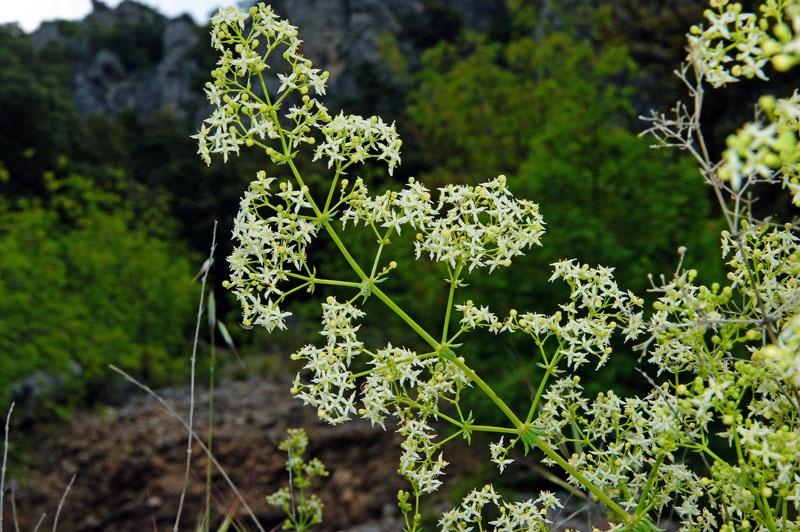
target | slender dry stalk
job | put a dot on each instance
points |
(61, 503)
(3, 470)
(291, 481)
(14, 510)
(196, 437)
(36, 528)
(204, 269)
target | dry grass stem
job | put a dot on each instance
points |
(36, 528)
(61, 503)
(3, 470)
(204, 270)
(14, 510)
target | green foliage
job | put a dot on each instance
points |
(37, 118)
(479, 103)
(555, 114)
(82, 288)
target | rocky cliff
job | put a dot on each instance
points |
(131, 56)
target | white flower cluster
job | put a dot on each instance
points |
(410, 387)
(761, 150)
(393, 209)
(354, 139)
(783, 358)
(393, 368)
(499, 453)
(591, 289)
(765, 432)
(481, 316)
(418, 463)
(471, 226)
(269, 237)
(729, 31)
(738, 43)
(619, 441)
(480, 226)
(764, 262)
(332, 390)
(774, 254)
(696, 335)
(758, 151)
(400, 383)
(519, 516)
(683, 315)
(397, 372)
(243, 113)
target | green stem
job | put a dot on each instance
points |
(532, 439)
(490, 428)
(548, 371)
(317, 280)
(640, 508)
(445, 351)
(485, 388)
(333, 186)
(381, 242)
(453, 281)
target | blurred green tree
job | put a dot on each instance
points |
(83, 288)
(555, 115)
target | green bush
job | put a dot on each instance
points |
(84, 287)
(555, 114)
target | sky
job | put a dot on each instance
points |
(30, 13)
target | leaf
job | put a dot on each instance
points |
(227, 337)
(204, 268)
(212, 311)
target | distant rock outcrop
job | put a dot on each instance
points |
(131, 56)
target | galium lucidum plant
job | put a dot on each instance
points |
(715, 445)
(303, 512)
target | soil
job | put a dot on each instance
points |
(129, 464)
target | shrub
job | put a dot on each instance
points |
(83, 287)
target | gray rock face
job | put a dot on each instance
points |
(101, 80)
(341, 36)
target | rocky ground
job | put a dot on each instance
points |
(129, 461)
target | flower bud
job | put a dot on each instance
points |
(783, 32)
(782, 62)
